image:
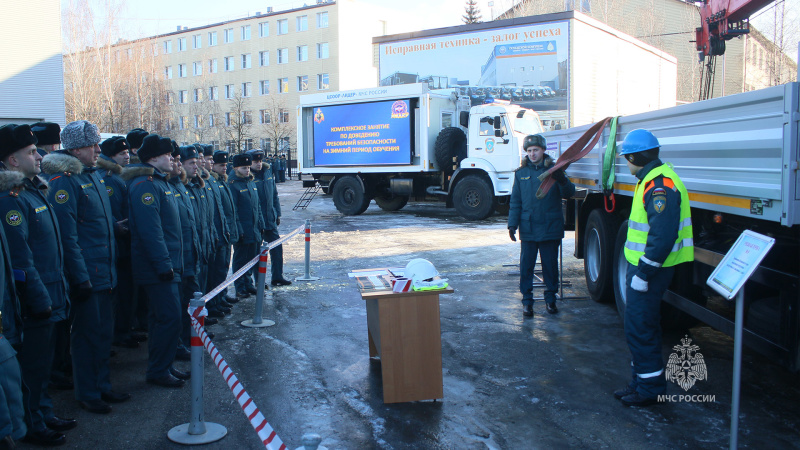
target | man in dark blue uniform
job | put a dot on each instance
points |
(204, 211)
(540, 222)
(249, 220)
(37, 255)
(220, 259)
(271, 212)
(48, 135)
(157, 254)
(79, 198)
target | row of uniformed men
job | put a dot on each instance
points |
(91, 230)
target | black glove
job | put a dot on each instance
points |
(559, 176)
(41, 315)
(277, 221)
(121, 228)
(512, 233)
(81, 292)
(166, 276)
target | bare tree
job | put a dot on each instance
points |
(238, 122)
(277, 126)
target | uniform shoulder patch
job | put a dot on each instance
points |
(659, 202)
(148, 198)
(62, 196)
(14, 217)
(110, 190)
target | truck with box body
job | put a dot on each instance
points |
(395, 143)
(738, 158)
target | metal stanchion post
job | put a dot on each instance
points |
(307, 276)
(197, 431)
(311, 441)
(257, 321)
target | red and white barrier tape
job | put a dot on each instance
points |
(265, 432)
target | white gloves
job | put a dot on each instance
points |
(638, 284)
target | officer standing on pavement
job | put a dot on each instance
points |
(271, 211)
(249, 220)
(79, 198)
(540, 221)
(37, 255)
(219, 167)
(659, 238)
(220, 260)
(203, 212)
(157, 254)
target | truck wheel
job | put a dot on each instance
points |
(598, 259)
(451, 142)
(349, 197)
(392, 202)
(620, 269)
(473, 198)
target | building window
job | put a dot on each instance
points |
(228, 35)
(198, 95)
(228, 91)
(230, 145)
(246, 33)
(322, 50)
(302, 23)
(302, 53)
(247, 118)
(283, 26)
(197, 40)
(168, 124)
(197, 68)
(283, 85)
(198, 121)
(229, 64)
(213, 93)
(212, 65)
(266, 145)
(302, 83)
(183, 96)
(212, 38)
(247, 89)
(263, 29)
(283, 143)
(322, 20)
(263, 59)
(182, 122)
(246, 61)
(168, 72)
(167, 47)
(211, 122)
(283, 55)
(215, 144)
(227, 119)
(181, 70)
(170, 99)
(264, 87)
(182, 44)
(322, 82)
(264, 116)
(283, 116)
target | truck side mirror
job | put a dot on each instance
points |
(463, 119)
(497, 122)
(499, 133)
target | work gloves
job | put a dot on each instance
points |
(41, 315)
(512, 233)
(81, 292)
(559, 176)
(638, 284)
(166, 276)
(277, 221)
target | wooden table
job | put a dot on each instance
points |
(405, 332)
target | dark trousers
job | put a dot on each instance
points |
(12, 413)
(125, 305)
(548, 252)
(189, 286)
(59, 353)
(242, 254)
(218, 269)
(164, 326)
(275, 256)
(140, 308)
(643, 331)
(35, 360)
(92, 332)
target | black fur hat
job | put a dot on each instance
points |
(256, 154)
(220, 157)
(15, 137)
(47, 133)
(208, 150)
(135, 137)
(242, 160)
(114, 146)
(188, 152)
(154, 145)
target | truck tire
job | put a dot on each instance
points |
(473, 198)
(391, 202)
(451, 142)
(349, 196)
(598, 255)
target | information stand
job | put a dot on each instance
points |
(728, 279)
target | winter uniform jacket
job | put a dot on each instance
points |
(268, 196)
(34, 240)
(537, 219)
(228, 208)
(221, 226)
(79, 197)
(191, 238)
(9, 304)
(245, 199)
(154, 220)
(118, 196)
(204, 215)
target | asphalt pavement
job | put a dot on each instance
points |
(509, 381)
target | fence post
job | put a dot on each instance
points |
(261, 278)
(197, 431)
(307, 276)
(311, 441)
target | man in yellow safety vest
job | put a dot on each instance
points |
(659, 238)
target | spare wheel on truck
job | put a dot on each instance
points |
(451, 143)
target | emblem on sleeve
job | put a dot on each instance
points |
(14, 218)
(148, 198)
(659, 203)
(62, 196)
(110, 190)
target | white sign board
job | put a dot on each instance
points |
(739, 263)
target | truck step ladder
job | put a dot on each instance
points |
(312, 187)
